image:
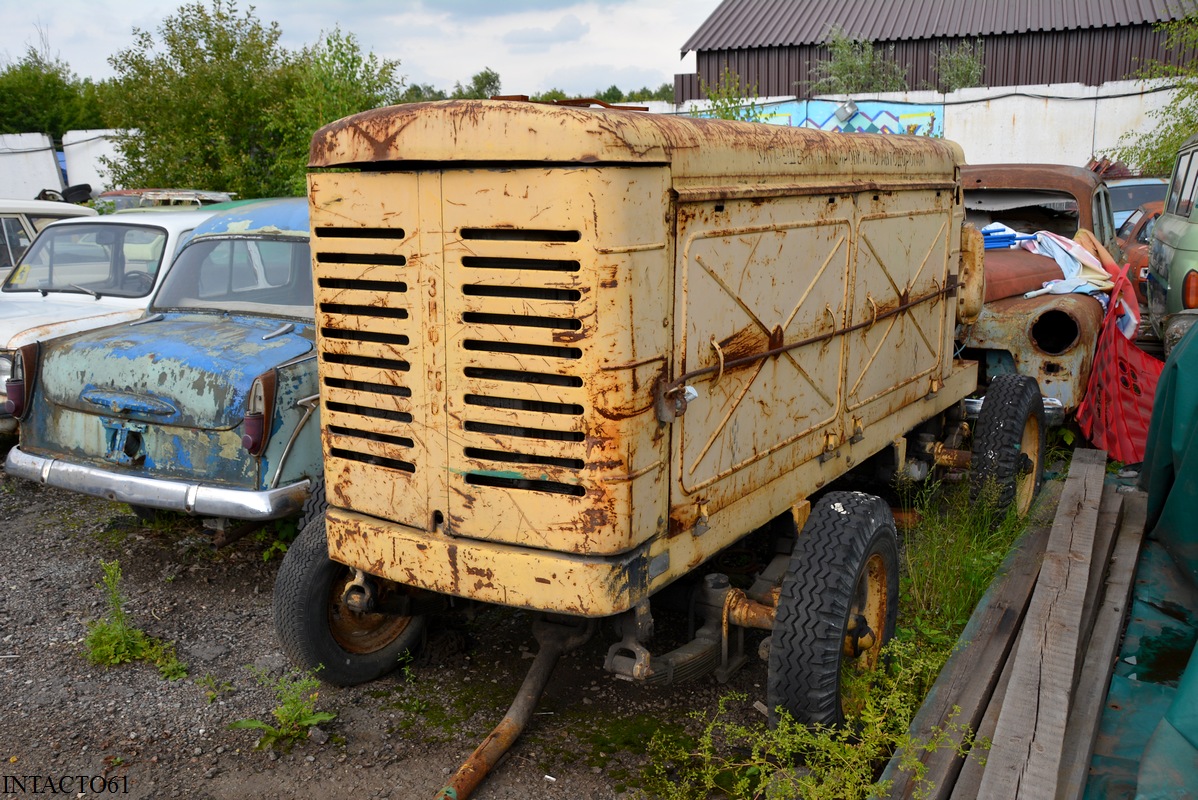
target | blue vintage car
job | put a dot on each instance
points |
(205, 405)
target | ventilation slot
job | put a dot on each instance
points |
(367, 386)
(524, 433)
(552, 487)
(541, 264)
(365, 411)
(539, 406)
(364, 336)
(362, 285)
(515, 376)
(522, 292)
(371, 436)
(358, 233)
(520, 321)
(365, 311)
(524, 458)
(385, 259)
(520, 235)
(377, 461)
(367, 361)
(545, 351)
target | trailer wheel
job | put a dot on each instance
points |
(837, 607)
(1008, 443)
(316, 628)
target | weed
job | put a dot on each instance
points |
(275, 538)
(296, 712)
(113, 640)
(213, 689)
(744, 761)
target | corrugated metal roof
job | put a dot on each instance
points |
(739, 24)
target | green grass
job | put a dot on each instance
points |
(949, 559)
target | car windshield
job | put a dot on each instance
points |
(86, 258)
(271, 276)
(1026, 211)
(1127, 197)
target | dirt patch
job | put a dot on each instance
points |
(399, 737)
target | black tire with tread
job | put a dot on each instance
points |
(315, 506)
(313, 626)
(1011, 420)
(846, 533)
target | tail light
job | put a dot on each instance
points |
(19, 386)
(1189, 290)
(259, 411)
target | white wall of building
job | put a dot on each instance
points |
(28, 164)
(1053, 123)
(83, 150)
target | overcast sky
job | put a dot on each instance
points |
(534, 45)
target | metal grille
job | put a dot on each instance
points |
(365, 379)
(522, 427)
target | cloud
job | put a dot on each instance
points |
(533, 40)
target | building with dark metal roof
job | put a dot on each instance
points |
(774, 44)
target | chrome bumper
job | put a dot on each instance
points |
(180, 496)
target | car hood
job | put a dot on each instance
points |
(28, 317)
(192, 370)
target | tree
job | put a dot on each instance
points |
(729, 100)
(40, 94)
(421, 92)
(198, 112)
(335, 79)
(218, 104)
(665, 92)
(854, 67)
(960, 66)
(482, 85)
(549, 96)
(612, 94)
(1153, 151)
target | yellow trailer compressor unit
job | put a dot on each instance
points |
(568, 355)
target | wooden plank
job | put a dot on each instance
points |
(970, 777)
(1090, 697)
(969, 676)
(1029, 739)
(1110, 515)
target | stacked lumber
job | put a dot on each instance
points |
(1032, 669)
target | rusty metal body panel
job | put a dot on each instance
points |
(566, 356)
(1051, 338)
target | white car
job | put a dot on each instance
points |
(85, 273)
(20, 221)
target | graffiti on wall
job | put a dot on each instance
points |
(866, 116)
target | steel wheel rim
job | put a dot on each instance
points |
(1025, 475)
(871, 598)
(360, 633)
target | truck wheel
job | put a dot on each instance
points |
(318, 631)
(838, 605)
(1008, 443)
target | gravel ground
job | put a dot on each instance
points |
(400, 737)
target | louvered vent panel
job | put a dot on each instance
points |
(521, 346)
(365, 334)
